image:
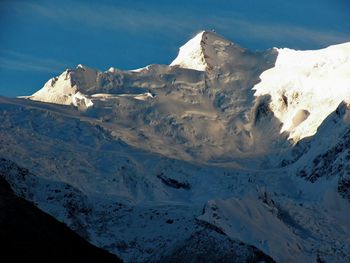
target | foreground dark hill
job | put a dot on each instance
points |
(28, 233)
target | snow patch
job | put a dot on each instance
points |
(81, 101)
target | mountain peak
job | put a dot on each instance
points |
(207, 50)
(67, 88)
(191, 54)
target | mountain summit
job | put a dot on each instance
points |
(207, 50)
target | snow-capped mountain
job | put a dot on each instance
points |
(225, 146)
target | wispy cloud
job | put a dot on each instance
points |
(145, 19)
(12, 60)
(281, 32)
(104, 16)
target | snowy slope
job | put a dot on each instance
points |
(245, 148)
(306, 86)
(142, 206)
(192, 54)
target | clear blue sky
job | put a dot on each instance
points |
(40, 39)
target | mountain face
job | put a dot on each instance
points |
(225, 153)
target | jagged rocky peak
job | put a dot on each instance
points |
(206, 51)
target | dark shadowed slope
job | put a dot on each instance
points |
(28, 233)
(211, 246)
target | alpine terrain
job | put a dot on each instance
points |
(225, 155)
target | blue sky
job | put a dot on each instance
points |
(40, 39)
